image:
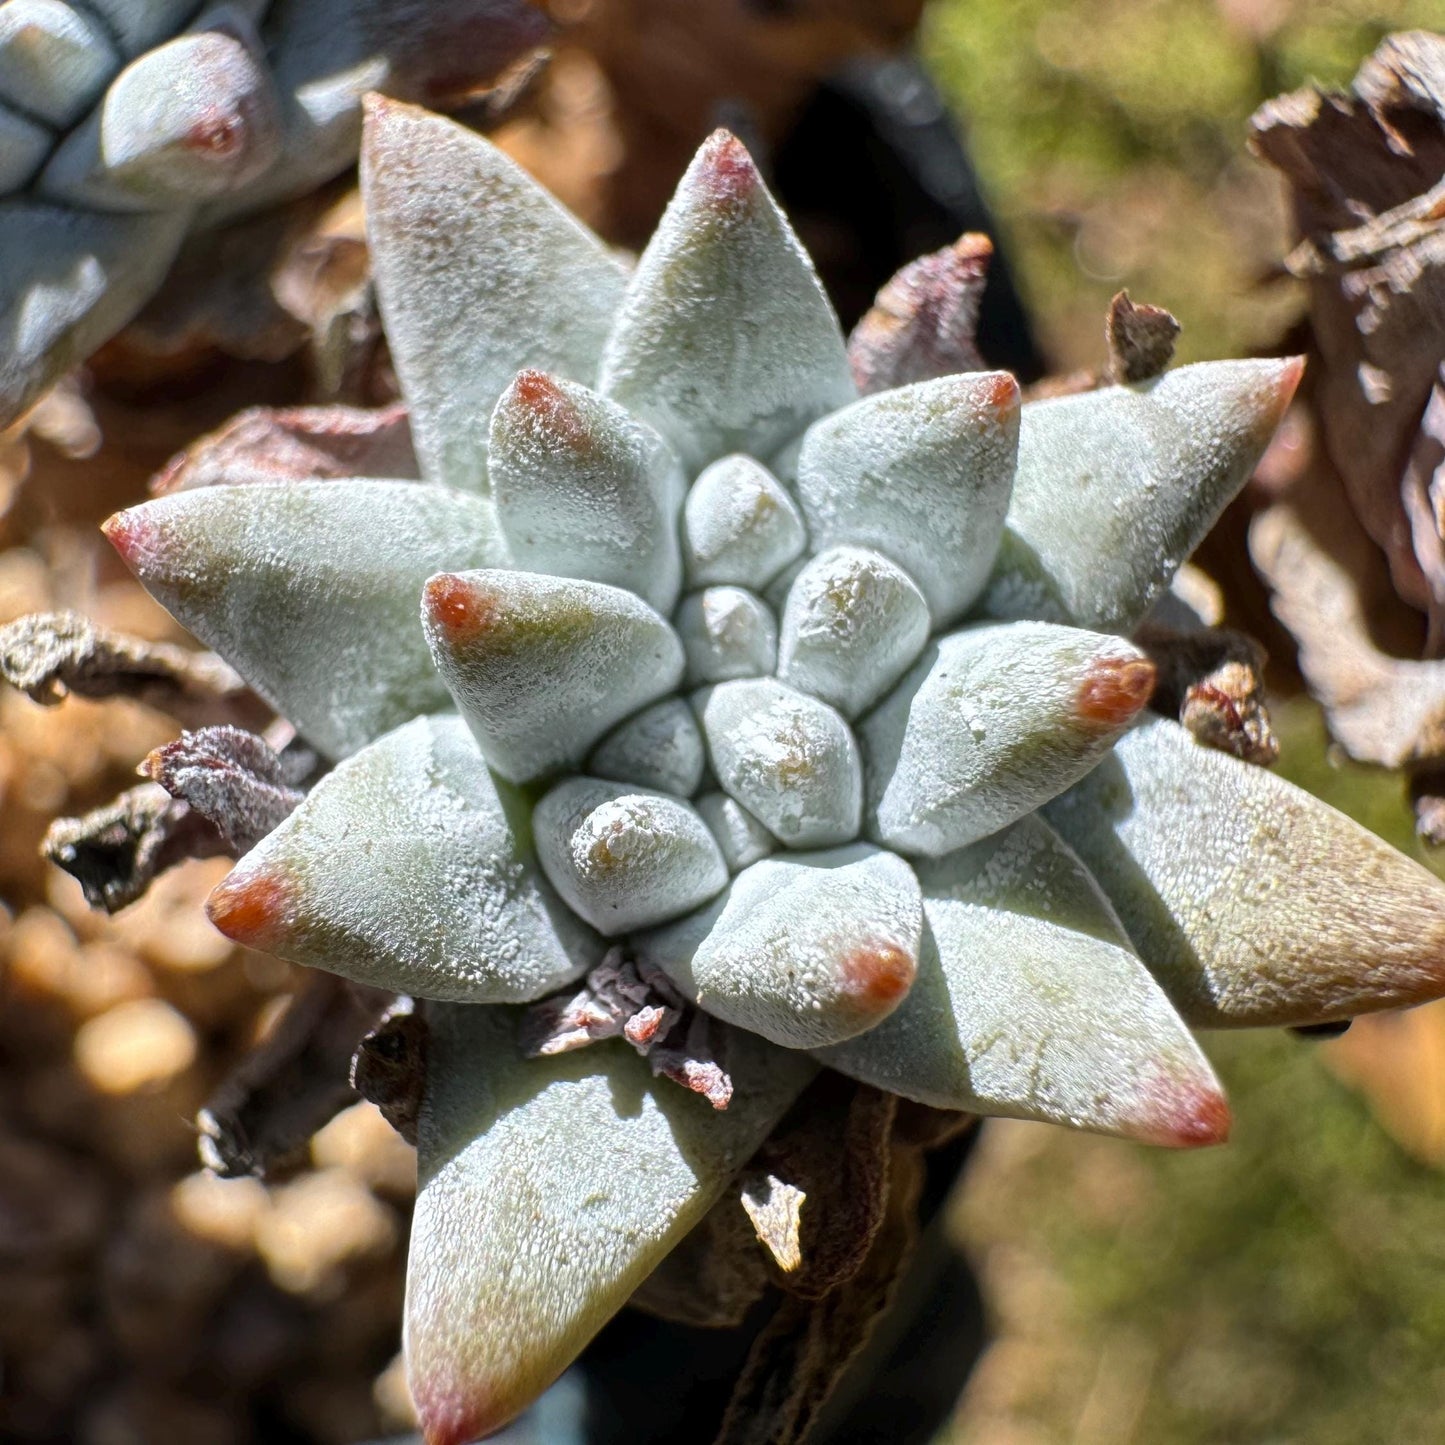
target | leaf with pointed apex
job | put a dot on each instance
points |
(625, 858)
(1115, 488)
(726, 341)
(740, 525)
(805, 949)
(1253, 903)
(853, 624)
(479, 273)
(583, 490)
(54, 61)
(661, 747)
(789, 759)
(727, 632)
(542, 667)
(993, 721)
(1030, 1003)
(742, 838)
(549, 1189)
(920, 474)
(410, 867)
(309, 590)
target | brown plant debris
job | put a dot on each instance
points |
(639, 1003)
(50, 655)
(233, 778)
(116, 851)
(924, 322)
(1140, 338)
(389, 1067)
(1212, 680)
(292, 1083)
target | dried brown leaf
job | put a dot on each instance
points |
(389, 1067)
(1140, 339)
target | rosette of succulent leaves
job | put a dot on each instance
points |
(126, 125)
(768, 725)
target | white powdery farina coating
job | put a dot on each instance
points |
(625, 858)
(549, 1189)
(54, 61)
(921, 474)
(436, 896)
(742, 838)
(661, 747)
(804, 949)
(853, 624)
(740, 525)
(1253, 903)
(727, 632)
(789, 759)
(1029, 1003)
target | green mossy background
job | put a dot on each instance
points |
(1291, 1286)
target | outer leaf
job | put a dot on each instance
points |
(310, 589)
(1116, 488)
(1030, 1003)
(54, 61)
(992, 722)
(24, 145)
(740, 525)
(479, 273)
(542, 667)
(583, 490)
(660, 747)
(921, 474)
(139, 24)
(410, 867)
(1253, 903)
(549, 1190)
(806, 949)
(726, 341)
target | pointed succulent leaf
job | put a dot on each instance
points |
(1116, 488)
(410, 867)
(921, 474)
(853, 624)
(583, 490)
(742, 838)
(542, 667)
(805, 949)
(725, 341)
(1030, 1003)
(625, 858)
(549, 1189)
(993, 721)
(727, 632)
(479, 273)
(54, 61)
(740, 525)
(789, 759)
(24, 145)
(309, 590)
(661, 747)
(1253, 903)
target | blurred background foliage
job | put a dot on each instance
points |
(1291, 1286)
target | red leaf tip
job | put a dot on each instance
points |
(1002, 391)
(1113, 690)
(726, 171)
(251, 906)
(453, 1416)
(1184, 1115)
(134, 535)
(876, 975)
(547, 403)
(458, 608)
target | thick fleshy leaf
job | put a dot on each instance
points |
(661, 747)
(789, 759)
(24, 145)
(139, 24)
(583, 490)
(549, 1190)
(309, 589)
(1030, 1003)
(625, 858)
(1116, 488)
(740, 525)
(541, 667)
(993, 721)
(479, 273)
(54, 60)
(921, 474)
(742, 838)
(853, 625)
(1253, 903)
(410, 867)
(806, 949)
(726, 341)
(727, 632)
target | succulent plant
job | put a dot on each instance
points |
(125, 124)
(768, 724)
